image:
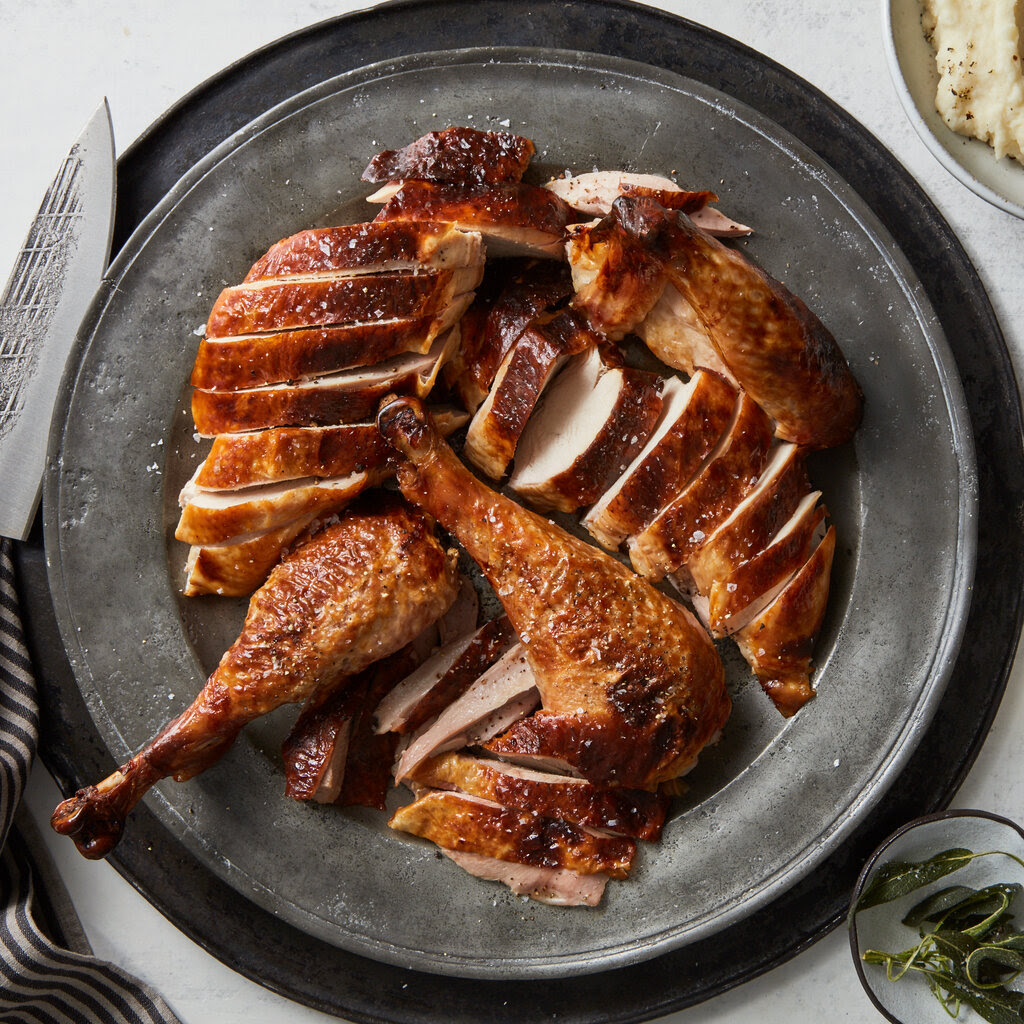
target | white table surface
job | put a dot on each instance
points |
(58, 58)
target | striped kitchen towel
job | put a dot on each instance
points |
(47, 972)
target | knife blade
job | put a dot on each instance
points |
(55, 276)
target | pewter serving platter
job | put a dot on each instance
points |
(765, 806)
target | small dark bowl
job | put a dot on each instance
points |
(910, 1001)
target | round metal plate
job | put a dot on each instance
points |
(673, 980)
(774, 797)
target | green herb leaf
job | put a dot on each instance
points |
(933, 907)
(897, 878)
(988, 966)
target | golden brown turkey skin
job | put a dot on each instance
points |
(632, 687)
(779, 642)
(473, 825)
(455, 154)
(777, 349)
(354, 593)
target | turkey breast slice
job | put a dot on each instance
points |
(345, 397)
(305, 300)
(530, 365)
(372, 247)
(753, 523)
(734, 601)
(694, 417)
(248, 360)
(558, 887)
(507, 683)
(727, 476)
(211, 517)
(590, 424)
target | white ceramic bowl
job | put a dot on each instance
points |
(912, 65)
(909, 1001)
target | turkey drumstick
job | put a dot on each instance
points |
(631, 686)
(357, 591)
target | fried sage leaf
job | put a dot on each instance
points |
(898, 878)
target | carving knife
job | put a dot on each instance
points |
(55, 277)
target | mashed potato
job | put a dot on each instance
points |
(978, 53)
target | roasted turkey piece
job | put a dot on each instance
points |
(631, 686)
(357, 591)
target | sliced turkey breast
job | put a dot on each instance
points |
(345, 397)
(369, 248)
(753, 523)
(515, 219)
(589, 425)
(492, 325)
(303, 300)
(212, 517)
(456, 155)
(630, 812)
(558, 887)
(733, 601)
(530, 365)
(470, 824)
(444, 677)
(248, 360)
(730, 472)
(507, 684)
(694, 417)
(240, 565)
(779, 642)
(593, 194)
(290, 453)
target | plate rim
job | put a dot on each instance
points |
(662, 996)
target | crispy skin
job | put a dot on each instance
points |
(282, 304)
(752, 528)
(369, 247)
(631, 812)
(530, 364)
(287, 453)
(354, 593)
(618, 277)
(779, 642)
(527, 209)
(462, 823)
(691, 517)
(668, 466)
(253, 359)
(688, 202)
(492, 325)
(777, 349)
(631, 686)
(455, 154)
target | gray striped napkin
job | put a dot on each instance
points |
(47, 972)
